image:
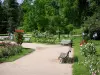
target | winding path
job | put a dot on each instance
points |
(43, 61)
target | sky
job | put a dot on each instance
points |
(19, 1)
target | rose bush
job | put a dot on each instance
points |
(91, 61)
(88, 49)
(9, 49)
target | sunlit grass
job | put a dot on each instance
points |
(78, 67)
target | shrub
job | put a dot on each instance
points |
(91, 60)
(88, 49)
(93, 64)
(44, 37)
(9, 49)
(19, 36)
(76, 32)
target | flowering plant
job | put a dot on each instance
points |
(19, 36)
(9, 49)
(93, 63)
(88, 49)
(83, 42)
(91, 59)
(19, 31)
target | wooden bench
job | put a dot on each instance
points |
(64, 57)
(27, 37)
(66, 42)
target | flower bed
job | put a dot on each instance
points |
(9, 49)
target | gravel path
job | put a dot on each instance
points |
(44, 61)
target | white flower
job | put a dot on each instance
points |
(90, 66)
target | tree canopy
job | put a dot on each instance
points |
(9, 15)
(46, 15)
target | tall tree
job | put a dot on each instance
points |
(3, 22)
(12, 11)
(1, 11)
(53, 15)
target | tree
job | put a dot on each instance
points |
(1, 12)
(3, 22)
(12, 11)
(93, 24)
(52, 15)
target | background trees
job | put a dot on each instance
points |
(92, 24)
(54, 15)
(47, 15)
(3, 22)
(12, 11)
(9, 15)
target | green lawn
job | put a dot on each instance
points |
(24, 52)
(3, 34)
(78, 67)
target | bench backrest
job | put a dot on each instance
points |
(66, 41)
(27, 37)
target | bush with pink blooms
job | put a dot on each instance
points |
(91, 61)
(9, 49)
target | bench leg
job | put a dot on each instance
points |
(62, 60)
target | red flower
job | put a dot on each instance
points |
(83, 42)
(80, 44)
(19, 30)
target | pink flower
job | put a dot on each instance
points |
(93, 73)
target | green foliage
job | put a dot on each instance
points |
(9, 49)
(92, 24)
(78, 66)
(78, 69)
(69, 28)
(92, 63)
(12, 58)
(49, 15)
(76, 31)
(91, 60)
(19, 37)
(10, 14)
(88, 49)
(44, 37)
(3, 22)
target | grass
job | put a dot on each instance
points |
(78, 67)
(3, 34)
(24, 52)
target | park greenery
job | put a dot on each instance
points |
(50, 21)
(8, 49)
(53, 16)
(91, 60)
(87, 57)
(11, 51)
